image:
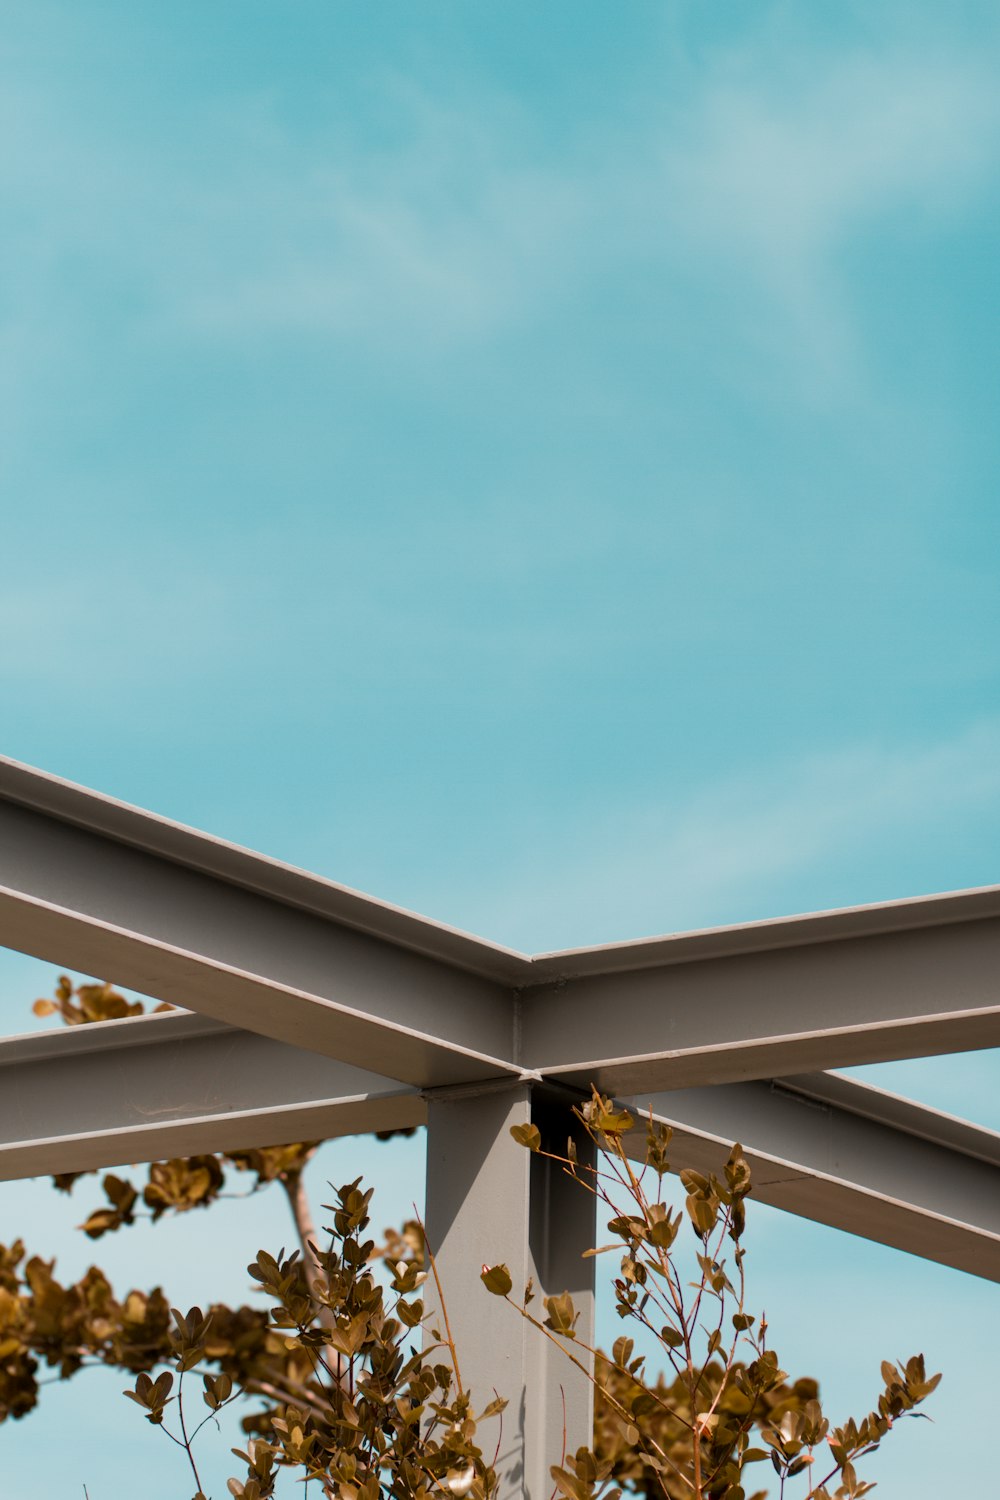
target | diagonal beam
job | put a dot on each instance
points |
(108, 890)
(176, 1084)
(851, 1156)
(907, 979)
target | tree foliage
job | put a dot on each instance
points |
(692, 1435)
(335, 1385)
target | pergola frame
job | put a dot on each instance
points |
(308, 1010)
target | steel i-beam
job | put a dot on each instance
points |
(837, 989)
(110, 890)
(177, 1084)
(855, 1157)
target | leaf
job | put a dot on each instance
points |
(562, 1315)
(496, 1279)
(622, 1351)
(703, 1216)
(460, 1481)
(410, 1313)
(527, 1135)
(572, 1488)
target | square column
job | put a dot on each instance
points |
(489, 1200)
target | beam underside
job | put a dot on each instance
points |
(173, 1085)
(435, 1010)
(842, 1167)
(823, 1147)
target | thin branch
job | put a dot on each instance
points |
(305, 1226)
(187, 1441)
(443, 1305)
(611, 1399)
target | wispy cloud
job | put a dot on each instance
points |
(773, 172)
(454, 231)
(753, 845)
(122, 629)
(468, 222)
(448, 236)
(751, 183)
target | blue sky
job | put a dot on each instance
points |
(535, 463)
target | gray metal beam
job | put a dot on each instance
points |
(822, 1146)
(489, 1201)
(108, 890)
(909, 979)
(79, 807)
(318, 973)
(176, 1084)
(855, 1157)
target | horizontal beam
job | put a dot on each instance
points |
(121, 823)
(111, 891)
(854, 1157)
(302, 987)
(821, 1146)
(176, 1084)
(840, 989)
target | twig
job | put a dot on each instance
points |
(444, 1306)
(562, 1461)
(305, 1227)
(187, 1441)
(611, 1399)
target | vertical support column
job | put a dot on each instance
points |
(560, 1398)
(490, 1200)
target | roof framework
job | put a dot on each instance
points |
(310, 1010)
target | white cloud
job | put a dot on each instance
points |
(120, 629)
(745, 842)
(363, 252)
(468, 223)
(790, 172)
(465, 227)
(770, 173)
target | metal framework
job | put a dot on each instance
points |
(309, 1010)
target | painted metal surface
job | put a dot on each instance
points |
(238, 955)
(302, 988)
(825, 1147)
(490, 1201)
(176, 1085)
(854, 1157)
(753, 1012)
(108, 889)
